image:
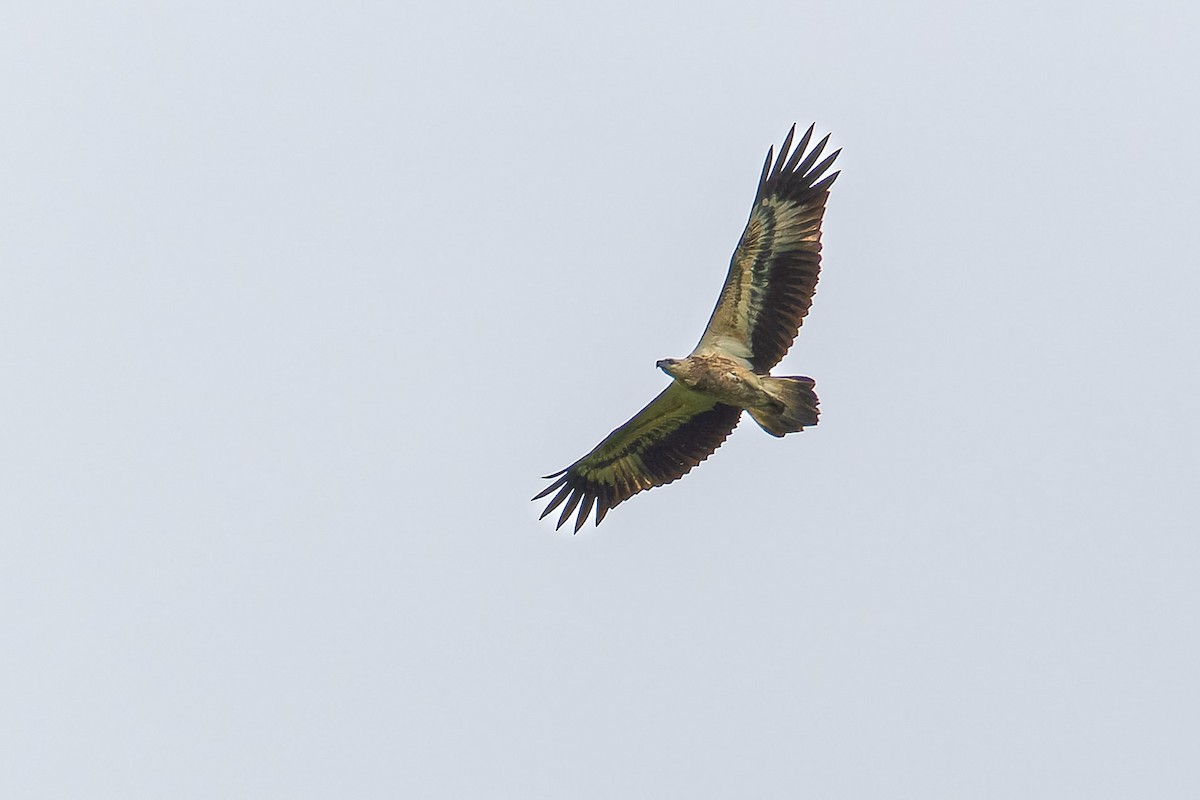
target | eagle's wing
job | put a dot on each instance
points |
(774, 269)
(662, 443)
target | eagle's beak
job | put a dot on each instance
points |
(664, 363)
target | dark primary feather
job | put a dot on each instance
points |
(660, 444)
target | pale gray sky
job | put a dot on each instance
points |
(299, 300)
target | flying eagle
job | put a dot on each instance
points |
(766, 295)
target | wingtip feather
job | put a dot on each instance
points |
(826, 182)
(584, 509)
(576, 496)
(801, 146)
(551, 487)
(783, 151)
(558, 498)
(814, 154)
(819, 169)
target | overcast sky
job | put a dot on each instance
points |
(299, 300)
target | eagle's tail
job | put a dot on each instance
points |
(796, 405)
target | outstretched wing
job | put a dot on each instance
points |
(774, 269)
(662, 443)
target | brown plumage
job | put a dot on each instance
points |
(767, 293)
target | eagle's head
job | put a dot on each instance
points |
(670, 366)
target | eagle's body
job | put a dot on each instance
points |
(730, 381)
(767, 293)
(724, 379)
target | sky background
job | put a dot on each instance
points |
(298, 300)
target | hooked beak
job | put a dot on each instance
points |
(664, 363)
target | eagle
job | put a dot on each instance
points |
(767, 293)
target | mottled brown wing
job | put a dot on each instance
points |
(662, 443)
(774, 269)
